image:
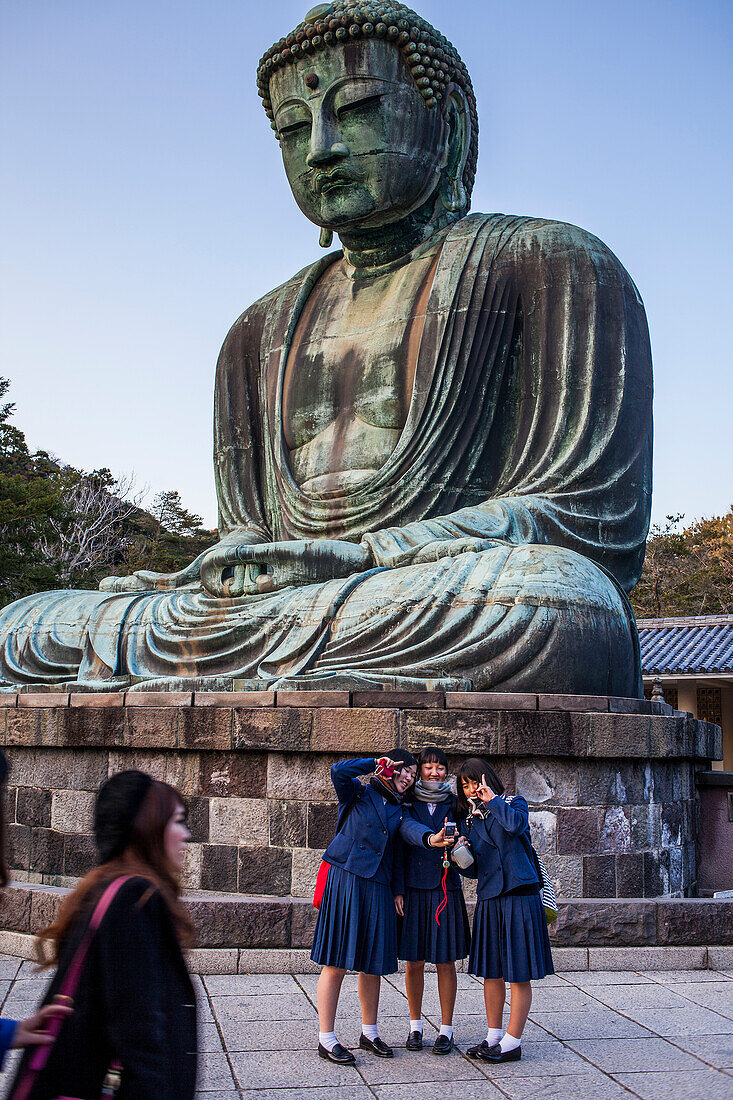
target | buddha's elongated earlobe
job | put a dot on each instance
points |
(452, 189)
(453, 194)
(326, 238)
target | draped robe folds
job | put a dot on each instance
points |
(508, 522)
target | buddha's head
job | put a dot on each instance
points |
(375, 115)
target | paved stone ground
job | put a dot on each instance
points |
(591, 1036)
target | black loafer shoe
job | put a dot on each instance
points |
(414, 1040)
(443, 1045)
(376, 1046)
(340, 1055)
(479, 1051)
(496, 1054)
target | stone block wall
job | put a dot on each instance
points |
(627, 830)
(611, 794)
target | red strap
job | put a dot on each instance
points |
(444, 888)
(68, 987)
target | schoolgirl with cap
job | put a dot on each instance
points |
(134, 1008)
(356, 927)
(435, 927)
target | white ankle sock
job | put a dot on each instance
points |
(447, 1029)
(416, 1025)
(509, 1043)
(327, 1039)
(370, 1031)
(493, 1036)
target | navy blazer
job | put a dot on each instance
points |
(502, 848)
(424, 866)
(368, 841)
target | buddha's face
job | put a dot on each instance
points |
(360, 147)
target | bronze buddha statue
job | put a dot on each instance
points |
(432, 447)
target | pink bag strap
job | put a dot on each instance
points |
(70, 982)
(67, 989)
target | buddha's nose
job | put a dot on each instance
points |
(325, 146)
(323, 154)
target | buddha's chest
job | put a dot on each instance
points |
(348, 379)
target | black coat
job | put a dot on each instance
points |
(134, 1004)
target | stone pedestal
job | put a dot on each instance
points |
(610, 783)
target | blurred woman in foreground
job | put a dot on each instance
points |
(133, 1026)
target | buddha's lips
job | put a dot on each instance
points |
(333, 179)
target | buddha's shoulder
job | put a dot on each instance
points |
(283, 296)
(520, 233)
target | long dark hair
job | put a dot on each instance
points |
(145, 856)
(476, 768)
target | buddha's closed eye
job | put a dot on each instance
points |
(297, 126)
(357, 105)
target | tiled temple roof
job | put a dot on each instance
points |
(688, 645)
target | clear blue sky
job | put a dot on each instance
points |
(144, 206)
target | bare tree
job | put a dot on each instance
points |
(89, 534)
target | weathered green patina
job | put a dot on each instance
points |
(432, 448)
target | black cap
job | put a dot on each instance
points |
(115, 810)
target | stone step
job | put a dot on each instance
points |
(233, 960)
(229, 921)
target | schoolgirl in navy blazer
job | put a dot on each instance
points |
(509, 942)
(356, 927)
(424, 866)
(369, 828)
(435, 925)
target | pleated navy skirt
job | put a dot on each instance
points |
(356, 927)
(510, 939)
(422, 939)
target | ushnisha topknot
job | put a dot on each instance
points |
(433, 61)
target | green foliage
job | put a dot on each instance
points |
(688, 570)
(66, 528)
(28, 498)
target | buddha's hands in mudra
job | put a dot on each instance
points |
(145, 580)
(246, 570)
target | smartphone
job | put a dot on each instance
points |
(451, 830)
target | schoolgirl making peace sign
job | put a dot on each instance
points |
(357, 920)
(509, 941)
